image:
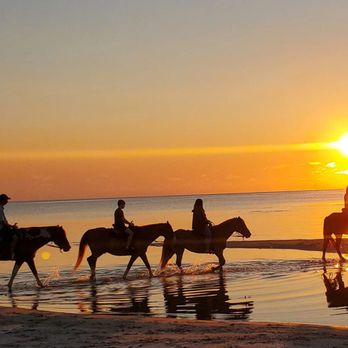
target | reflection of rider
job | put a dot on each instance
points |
(121, 221)
(336, 292)
(7, 230)
(200, 223)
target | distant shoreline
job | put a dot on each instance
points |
(294, 244)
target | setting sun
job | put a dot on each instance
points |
(342, 144)
(45, 255)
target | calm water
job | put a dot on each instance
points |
(257, 285)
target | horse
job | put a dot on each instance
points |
(104, 240)
(186, 239)
(31, 239)
(337, 224)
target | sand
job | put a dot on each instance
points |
(28, 328)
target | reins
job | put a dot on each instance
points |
(53, 246)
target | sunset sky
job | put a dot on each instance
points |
(131, 98)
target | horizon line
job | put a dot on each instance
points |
(170, 152)
(165, 195)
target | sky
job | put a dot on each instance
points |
(132, 98)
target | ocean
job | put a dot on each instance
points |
(257, 285)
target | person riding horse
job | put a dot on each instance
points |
(7, 231)
(120, 223)
(201, 224)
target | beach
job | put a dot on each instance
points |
(274, 291)
(28, 328)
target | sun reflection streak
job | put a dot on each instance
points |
(169, 152)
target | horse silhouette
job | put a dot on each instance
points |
(29, 241)
(104, 240)
(207, 297)
(336, 291)
(185, 239)
(337, 224)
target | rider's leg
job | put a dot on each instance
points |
(130, 234)
(207, 238)
(13, 245)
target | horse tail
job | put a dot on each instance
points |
(167, 251)
(82, 248)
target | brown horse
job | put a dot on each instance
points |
(29, 241)
(104, 240)
(337, 224)
(184, 239)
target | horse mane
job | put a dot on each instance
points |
(226, 222)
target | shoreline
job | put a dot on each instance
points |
(30, 328)
(292, 244)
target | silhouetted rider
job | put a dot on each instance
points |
(200, 223)
(121, 221)
(7, 230)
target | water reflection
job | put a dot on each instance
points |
(128, 298)
(204, 298)
(33, 298)
(336, 291)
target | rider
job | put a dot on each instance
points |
(200, 223)
(6, 229)
(121, 221)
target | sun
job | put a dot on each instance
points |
(342, 144)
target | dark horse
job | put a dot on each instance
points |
(29, 241)
(104, 240)
(184, 239)
(336, 291)
(337, 224)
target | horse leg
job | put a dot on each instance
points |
(338, 247)
(15, 270)
(179, 255)
(92, 261)
(146, 262)
(32, 267)
(130, 263)
(222, 261)
(325, 244)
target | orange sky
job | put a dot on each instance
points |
(171, 98)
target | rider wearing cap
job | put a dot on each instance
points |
(5, 228)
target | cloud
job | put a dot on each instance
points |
(342, 172)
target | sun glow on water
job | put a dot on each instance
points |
(45, 255)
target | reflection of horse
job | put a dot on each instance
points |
(208, 297)
(30, 240)
(337, 224)
(336, 292)
(189, 240)
(104, 240)
(138, 297)
(35, 298)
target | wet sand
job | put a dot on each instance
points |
(19, 327)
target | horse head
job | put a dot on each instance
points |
(59, 238)
(241, 227)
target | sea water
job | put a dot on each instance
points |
(263, 285)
